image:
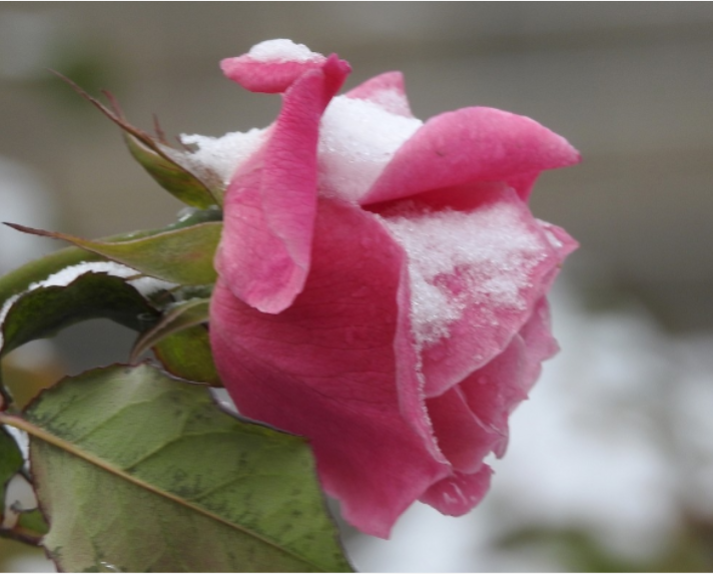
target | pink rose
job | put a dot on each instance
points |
(382, 282)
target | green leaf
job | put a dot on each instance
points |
(182, 256)
(42, 311)
(10, 464)
(137, 471)
(20, 279)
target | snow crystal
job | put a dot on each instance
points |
(358, 139)
(282, 50)
(224, 154)
(459, 259)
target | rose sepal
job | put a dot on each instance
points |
(191, 183)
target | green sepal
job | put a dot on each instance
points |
(178, 318)
(184, 256)
(20, 279)
(188, 354)
(174, 175)
(180, 342)
(172, 168)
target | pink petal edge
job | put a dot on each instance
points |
(270, 204)
(470, 145)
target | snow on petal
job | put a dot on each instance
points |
(270, 204)
(358, 139)
(475, 278)
(223, 155)
(272, 66)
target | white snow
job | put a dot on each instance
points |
(65, 276)
(282, 50)
(358, 138)
(224, 154)
(490, 250)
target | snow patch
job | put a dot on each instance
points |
(224, 154)
(459, 259)
(282, 50)
(358, 138)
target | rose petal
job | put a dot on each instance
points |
(326, 368)
(387, 91)
(458, 494)
(463, 438)
(470, 145)
(495, 390)
(476, 277)
(270, 204)
(271, 66)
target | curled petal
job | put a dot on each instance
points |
(470, 145)
(495, 390)
(459, 493)
(462, 437)
(270, 204)
(489, 395)
(272, 66)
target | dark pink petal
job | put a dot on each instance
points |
(387, 91)
(326, 368)
(470, 145)
(458, 494)
(491, 394)
(461, 436)
(495, 390)
(270, 204)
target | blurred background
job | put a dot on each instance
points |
(610, 466)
